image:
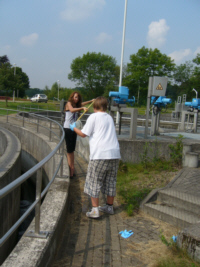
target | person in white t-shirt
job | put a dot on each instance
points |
(104, 157)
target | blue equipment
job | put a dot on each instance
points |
(159, 102)
(195, 104)
(121, 97)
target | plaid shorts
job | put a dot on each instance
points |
(101, 176)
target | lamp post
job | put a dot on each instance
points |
(122, 54)
(123, 40)
(58, 89)
(14, 80)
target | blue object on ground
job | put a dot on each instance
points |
(174, 238)
(126, 234)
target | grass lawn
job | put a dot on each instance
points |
(28, 106)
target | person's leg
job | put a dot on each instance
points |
(109, 186)
(70, 159)
(93, 185)
(110, 200)
(95, 202)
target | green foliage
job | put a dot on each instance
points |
(145, 63)
(177, 150)
(134, 182)
(95, 72)
(178, 257)
(12, 78)
(145, 159)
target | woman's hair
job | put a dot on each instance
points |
(71, 100)
(100, 103)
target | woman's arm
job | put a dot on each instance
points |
(69, 107)
(87, 102)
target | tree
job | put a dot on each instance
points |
(21, 81)
(145, 63)
(4, 59)
(196, 75)
(182, 77)
(95, 72)
(12, 78)
(6, 79)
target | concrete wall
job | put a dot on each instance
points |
(29, 251)
(10, 169)
(3, 143)
(131, 150)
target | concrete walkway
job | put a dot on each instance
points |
(96, 242)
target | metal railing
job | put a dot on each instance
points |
(35, 119)
(45, 112)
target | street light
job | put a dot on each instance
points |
(122, 54)
(58, 89)
(14, 80)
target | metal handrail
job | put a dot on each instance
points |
(37, 168)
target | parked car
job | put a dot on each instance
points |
(39, 98)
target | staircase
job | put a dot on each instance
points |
(175, 207)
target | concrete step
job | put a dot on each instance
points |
(172, 215)
(179, 200)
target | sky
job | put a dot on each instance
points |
(43, 37)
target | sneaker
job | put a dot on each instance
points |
(107, 209)
(94, 213)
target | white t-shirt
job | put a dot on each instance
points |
(102, 136)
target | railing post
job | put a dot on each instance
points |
(7, 116)
(38, 198)
(60, 138)
(23, 120)
(37, 232)
(38, 125)
(61, 167)
(50, 131)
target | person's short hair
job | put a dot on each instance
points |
(100, 103)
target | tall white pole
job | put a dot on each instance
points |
(123, 40)
(122, 54)
(14, 88)
(58, 90)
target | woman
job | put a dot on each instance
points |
(73, 106)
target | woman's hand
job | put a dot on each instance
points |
(85, 109)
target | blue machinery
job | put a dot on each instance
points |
(159, 103)
(119, 105)
(194, 105)
(121, 97)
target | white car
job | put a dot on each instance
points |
(39, 98)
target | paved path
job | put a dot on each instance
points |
(96, 242)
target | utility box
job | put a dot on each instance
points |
(157, 86)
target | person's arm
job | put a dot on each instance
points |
(77, 131)
(69, 107)
(87, 102)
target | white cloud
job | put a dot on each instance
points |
(29, 40)
(197, 51)
(178, 56)
(157, 33)
(81, 9)
(103, 37)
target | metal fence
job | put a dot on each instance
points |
(38, 121)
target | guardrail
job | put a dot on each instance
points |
(36, 169)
